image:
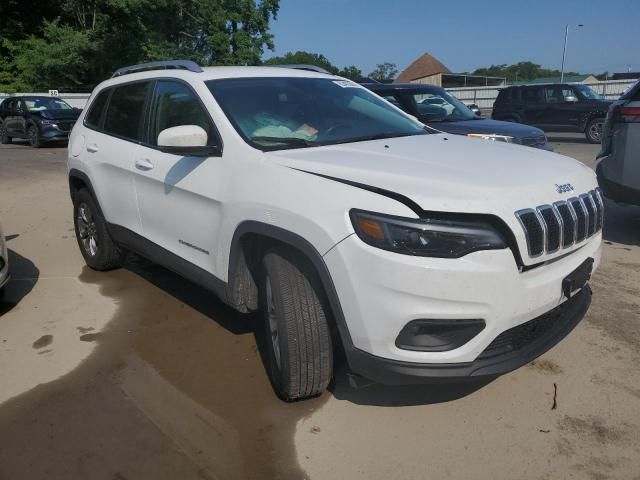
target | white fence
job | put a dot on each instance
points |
(481, 96)
(485, 96)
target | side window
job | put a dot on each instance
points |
(532, 95)
(126, 110)
(556, 94)
(174, 105)
(97, 108)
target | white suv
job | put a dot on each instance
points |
(350, 225)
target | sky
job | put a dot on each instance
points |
(463, 34)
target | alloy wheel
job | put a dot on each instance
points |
(87, 230)
(272, 317)
(595, 130)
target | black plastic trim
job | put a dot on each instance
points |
(151, 251)
(615, 191)
(312, 254)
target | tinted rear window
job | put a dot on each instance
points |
(97, 107)
(126, 109)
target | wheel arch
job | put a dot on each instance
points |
(250, 240)
(79, 180)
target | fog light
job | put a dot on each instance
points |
(438, 335)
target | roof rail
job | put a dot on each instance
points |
(166, 64)
(303, 66)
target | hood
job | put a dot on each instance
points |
(72, 114)
(448, 173)
(464, 127)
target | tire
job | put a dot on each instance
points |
(4, 138)
(33, 134)
(99, 250)
(593, 131)
(298, 340)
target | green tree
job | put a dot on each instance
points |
(317, 59)
(102, 35)
(384, 71)
(521, 71)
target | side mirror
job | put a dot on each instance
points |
(186, 140)
(571, 99)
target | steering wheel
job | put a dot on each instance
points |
(338, 126)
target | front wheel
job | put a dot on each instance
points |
(34, 136)
(593, 131)
(299, 350)
(99, 250)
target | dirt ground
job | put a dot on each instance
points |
(139, 374)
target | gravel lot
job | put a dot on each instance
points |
(138, 374)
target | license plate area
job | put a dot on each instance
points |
(578, 278)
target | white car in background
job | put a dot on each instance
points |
(349, 225)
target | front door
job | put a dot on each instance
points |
(180, 197)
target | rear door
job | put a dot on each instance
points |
(180, 197)
(110, 147)
(534, 107)
(562, 107)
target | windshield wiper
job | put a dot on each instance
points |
(293, 141)
(376, 136)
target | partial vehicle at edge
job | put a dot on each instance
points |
(619, 167)
(38, 119)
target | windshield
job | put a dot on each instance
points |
(279, 112)
(39, 104)
(439, 106)
(588, 92)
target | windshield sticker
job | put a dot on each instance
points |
(346, 84)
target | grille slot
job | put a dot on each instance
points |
(549, 228)
(568, 217)
(552, 227)
(534, 231)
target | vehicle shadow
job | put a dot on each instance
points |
(361, 392)
(621, 223)
(19, 142)
(198, 298)
(24, 275)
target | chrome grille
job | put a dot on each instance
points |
(549, 228)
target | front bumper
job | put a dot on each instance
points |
(49, 133)
(510, 350)
(380, 292)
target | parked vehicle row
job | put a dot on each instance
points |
(38, 119)
(350, 225)
(437, 108)
(555, 107)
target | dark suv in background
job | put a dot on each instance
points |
(39, 119)
(557, 107)
(437, 108)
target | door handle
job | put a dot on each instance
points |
(92, 148)
(144, 164)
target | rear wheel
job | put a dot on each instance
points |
(593, 131)
(33, 134)
(4, 138)
(299, 350)
(99, 250)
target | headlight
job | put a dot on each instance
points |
(425, 237)
(491, 136)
